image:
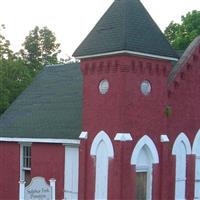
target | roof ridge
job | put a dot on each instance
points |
(184, 58)
(60, 64)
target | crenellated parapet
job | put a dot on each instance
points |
(126, 64)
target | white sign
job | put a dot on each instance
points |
(38, 189)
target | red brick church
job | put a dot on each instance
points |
(124, 123)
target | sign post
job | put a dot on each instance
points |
(37, 189)
(21, 189)
(53, 188)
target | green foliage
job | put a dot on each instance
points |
(17, 70)
(14, 78)
(168, 111)
(5, 51)
(40, 48)
(181, 35)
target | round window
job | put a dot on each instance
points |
(103, 86)
(145, 87)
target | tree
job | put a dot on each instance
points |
(14, 78)
(181, 35)
(18, 69)
(14, 74)
(5, 51)
(40, 48)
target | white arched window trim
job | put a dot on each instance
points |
(196, 144)
(145, 143)
(182, 138)
(102, 149)
(102, 136)
(181, 149)
(145, 140)
(196, 152)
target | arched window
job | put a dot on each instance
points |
(196, 151)
(181, 149)
(103, 150)
(143, 157)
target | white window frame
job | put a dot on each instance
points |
(99, 138)
(197, 179)
(146, 142)
(181, 139)
(196, 152)
(148, 170)
(22, 168)
(102, 135)
(71, 172)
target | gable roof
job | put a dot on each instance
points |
(51, 107)
(184, 59)
(126, 25)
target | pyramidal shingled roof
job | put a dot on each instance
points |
(126, 25)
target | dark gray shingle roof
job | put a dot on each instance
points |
(184, 59)
(126, 26)
(51, 107)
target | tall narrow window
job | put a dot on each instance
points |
(141, 185)
(196, 152)
(25, 163)
(143, 157)
(71, 172)
(180, 172)
(101, 172)
(102, 149)
(144, 174)
(197, 178)
(181, 149)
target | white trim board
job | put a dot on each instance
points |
(128, 52)
(40, 140)
(164, 139)
(123, 137)
(83, 135)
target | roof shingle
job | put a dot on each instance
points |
(51, 107)
(126, 26)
